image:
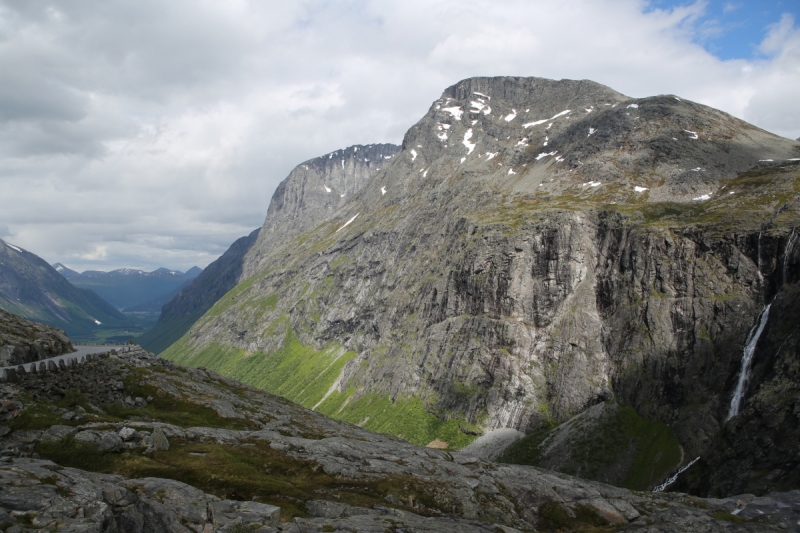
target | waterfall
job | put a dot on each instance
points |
(674, 478)
(747, 360)
(788, 252)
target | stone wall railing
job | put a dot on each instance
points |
(64, 362)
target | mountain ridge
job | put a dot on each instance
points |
(311, 191)
(31, 288)
(535, 247)
(129, 287)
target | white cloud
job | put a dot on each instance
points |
(157, 131)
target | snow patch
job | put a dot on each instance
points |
(481, 94)
(477, 105)
(490, 155)
(525, 142)
(639, 189)
(413, 154)
(693, 133)
(537, 122)
(327, 189)
(512, 115)
(347, 223)
(511, 171)
(389, 157)
(703, 197)
(383, 191)
(467, 136)
(591, 184)
(591, 131)
(97, 322)
(455, 111)
(545, 154)
(698, 169)
(355, 149)
(13, 247)
(425, 174)
(765, 160)
(463, 159)
(634, 106)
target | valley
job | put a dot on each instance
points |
(546, 275)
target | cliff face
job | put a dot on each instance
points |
(308, 195)
(23, 341)
(313, 191)
(537, 247)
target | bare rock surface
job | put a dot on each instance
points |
(23, 341)
(536, 247)
(359, 480)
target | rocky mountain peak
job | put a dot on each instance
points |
(315, 189)
(536, 138)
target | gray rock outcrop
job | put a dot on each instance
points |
(24, 341)
(330, 475)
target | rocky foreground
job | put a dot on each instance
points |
(129, 442)
(23, 341)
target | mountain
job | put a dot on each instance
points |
(127, 287)
(189, 303)
(193, 272)
(536, 249)
(31, 288)
(314, 190)
(309, 194)
(64, 271)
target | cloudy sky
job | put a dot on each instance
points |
(144, 133)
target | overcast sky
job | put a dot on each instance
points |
(149, 133)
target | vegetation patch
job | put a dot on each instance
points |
(251, 472)
(619, 447)
(306, 375)
(406, 418)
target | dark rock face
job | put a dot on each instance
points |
(23, 341)
(759, 450)
(535, 246)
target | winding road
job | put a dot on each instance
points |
(81, 351)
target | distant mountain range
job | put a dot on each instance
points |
(31, 288)
(131, 290)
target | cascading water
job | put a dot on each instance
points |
(674, 478)
(747, 360)
(788, 252)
